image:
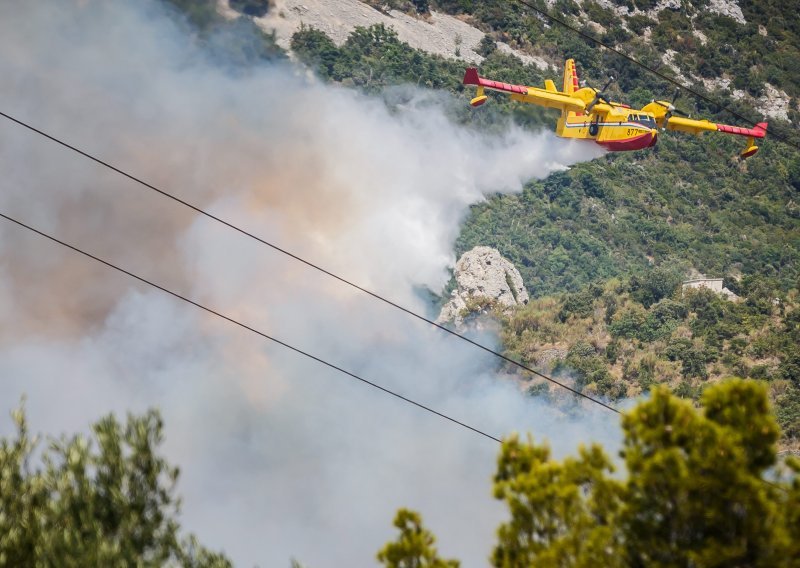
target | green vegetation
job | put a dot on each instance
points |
(604, 245)
(622, 339)
(414, 547)
(256, 8)
(618, 235)
(635, 224)
(694, 493)
(201, 14)
(616, 215)
(411, 7)
(372, 58)
(237, 43)
(761, 51)
(108, 500)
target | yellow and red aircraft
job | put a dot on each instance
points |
(587, 114)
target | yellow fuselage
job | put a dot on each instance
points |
(624, 129)
(615, 126)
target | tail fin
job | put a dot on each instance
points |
(570, 77)
(570, 85)
(471, 77)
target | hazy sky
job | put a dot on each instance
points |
(280, 456)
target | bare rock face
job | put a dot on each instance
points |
(728, 8)
(483, 273)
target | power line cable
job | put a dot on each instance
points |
(656, 72)
(248, 328)
(271, 338)
(343, 280)
(308, 263)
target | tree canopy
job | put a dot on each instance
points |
(414, 547)
(104, 500)
(697, 491)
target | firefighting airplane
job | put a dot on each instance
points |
(587, 114)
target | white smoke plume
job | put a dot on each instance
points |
(280, 456)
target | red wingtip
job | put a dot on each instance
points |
(471, 77)
(762, 126)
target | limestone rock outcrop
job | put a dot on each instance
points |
(483, 273)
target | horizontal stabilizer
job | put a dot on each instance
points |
(547, 97)
(471, 77)
(758, 131)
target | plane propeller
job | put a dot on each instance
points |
(600, 96)
(670, 106)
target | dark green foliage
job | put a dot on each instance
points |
(651, 325)
(373, 58)
(646, 376)
(693, 358)
(598, 14)
(588, 367)
(610, 304)
(199, 13)
(240, 44)
(668, 312)
(639, 22)
(487, 46)
(715, 318)
(656, 284)
(790, 367)
(316, 49)
(236, 44)
(787, 411)
(612, 351)
(422, 6)
(104, 501)
(256, 8)
(580, 304)
(685, 389)
(628, 324)
(644, 5)
(591, 184)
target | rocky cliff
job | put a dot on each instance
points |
(483, 274)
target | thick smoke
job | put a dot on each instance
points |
(280, 456)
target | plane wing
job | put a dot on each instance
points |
(697, 126)
(542, 97)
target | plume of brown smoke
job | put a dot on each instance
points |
(280, 457)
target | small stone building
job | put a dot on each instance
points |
(713, 284)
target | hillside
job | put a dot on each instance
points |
(621, 232)
(604, 246)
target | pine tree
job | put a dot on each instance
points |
(696, 492)
(101, 501)
(414, 548)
